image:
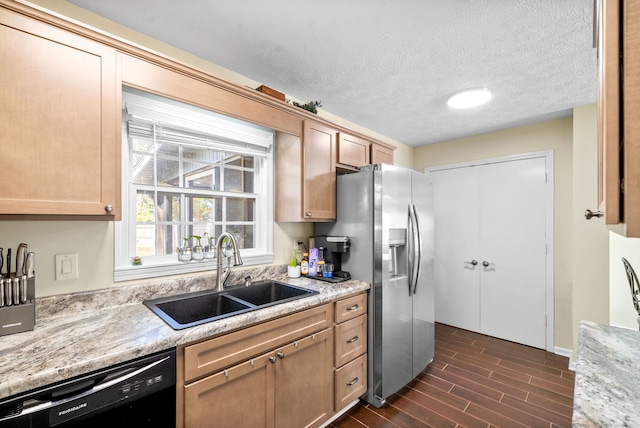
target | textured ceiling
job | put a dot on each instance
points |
(389, 65)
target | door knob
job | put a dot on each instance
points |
(487, 264)
(472, 262)
(588, 214)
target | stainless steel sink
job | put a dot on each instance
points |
(191, 309)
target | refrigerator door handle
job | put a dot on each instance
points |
(411, 257)
(416, 247)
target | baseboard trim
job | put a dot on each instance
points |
(340, 413)
(566, 353)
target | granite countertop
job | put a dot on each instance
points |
(82, 332)
(607, 387)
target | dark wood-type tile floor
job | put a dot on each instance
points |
(477, 381)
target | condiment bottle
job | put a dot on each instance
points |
(313, 260)
(304, 264)
(320, 263)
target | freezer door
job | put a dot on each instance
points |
(423, 298)
(393, 324)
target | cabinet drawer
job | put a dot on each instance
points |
(351, 340)
(351, 307)
(215, 354)
(351, 382)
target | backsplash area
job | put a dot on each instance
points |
(65, 304)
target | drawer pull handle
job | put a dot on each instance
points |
(355, 339)
(353, 382)
(352, 308)
(280, 355)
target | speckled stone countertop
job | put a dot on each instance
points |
(607, 387)
(82, 332)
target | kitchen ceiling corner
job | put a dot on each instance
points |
(390, 65)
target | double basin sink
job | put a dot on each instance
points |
(191, 309)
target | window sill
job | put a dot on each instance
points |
(128, 273)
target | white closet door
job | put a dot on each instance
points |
(512, 236)
(496, 214)
(457, 244)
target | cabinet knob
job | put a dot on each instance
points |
(487, 264)
(472, 262)
(307, 214)
(280, 355)
(588, 214)
(272, 359)
(108, 208)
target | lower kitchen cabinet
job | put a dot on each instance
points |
(351, 382)
(350, 357)
(275, 374)
(291, 386)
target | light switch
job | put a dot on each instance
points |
(66, 266)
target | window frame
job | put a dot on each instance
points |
(179, 113)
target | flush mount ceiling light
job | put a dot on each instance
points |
(469, 98)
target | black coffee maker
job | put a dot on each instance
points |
(334, 247)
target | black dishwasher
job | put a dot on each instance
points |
(138, 393)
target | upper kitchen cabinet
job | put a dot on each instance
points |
(319, 172)
(381, 154)
(60, 133)
(353, 152)
(618, 104)
(306, 174)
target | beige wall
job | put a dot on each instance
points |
(590, 295)
(554, 135)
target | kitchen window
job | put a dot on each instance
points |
(190, 172)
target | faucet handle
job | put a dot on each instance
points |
(247, 280)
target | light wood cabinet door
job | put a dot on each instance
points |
(60, 122)
(304, 381)
(381, 154)
(319, 172)
(618, 124)
(353, 151)
(241, 396)
(291, 386)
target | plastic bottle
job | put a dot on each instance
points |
(304, 264)
(313, 260)
(320, 263)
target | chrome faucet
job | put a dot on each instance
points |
(237, 260)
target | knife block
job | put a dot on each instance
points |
(21, 317)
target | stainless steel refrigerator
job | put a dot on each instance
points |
(387, 213)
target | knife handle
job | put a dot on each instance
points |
(21, 256)
(7, 292)
(16, 291)
(30, 265)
